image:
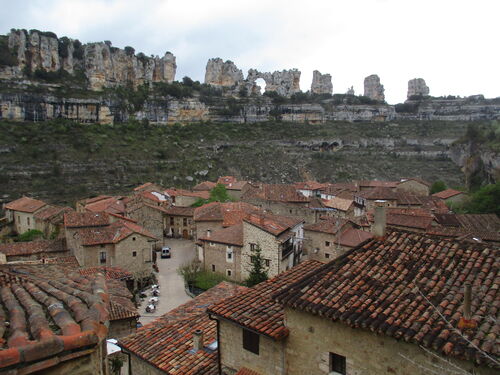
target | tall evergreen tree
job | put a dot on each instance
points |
(258, 273)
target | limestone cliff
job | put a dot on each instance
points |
(321, 83)
(373, 88)
(417, 87)
(102, 64)
(222, 74)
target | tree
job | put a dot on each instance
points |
(189, 272)
(257, 273)
(486, 200)
(438, 186)
(217, 194)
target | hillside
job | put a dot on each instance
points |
(61, 161)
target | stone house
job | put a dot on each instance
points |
(365, 200)
(251, 327)
(50, 220)
(411, 219)
(330, 238)
(179, 222)
(221, 251)
(215, 216)
(279, 238)
(103, 203)
(21, 213)
(414, 185)
(234, 187)
(34, 250)
(182, 341)
(452, 197)
(412, 321)
(96, 242)
(57, 339)
(204, 186)
(148, 186)
(310, 188)
(149, 216)
(342, 208)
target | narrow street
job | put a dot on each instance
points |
(172, 292)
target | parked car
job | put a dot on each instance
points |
(165, 252)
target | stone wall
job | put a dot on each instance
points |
(413, 186)
(203, 226)
(23, 221)
(312, 338)
(269, 361)
(177, 229)
(139, 366)
(122, 327)
(215, 255)
(149, 218)
(322, 246)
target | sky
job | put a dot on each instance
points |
(452, 44)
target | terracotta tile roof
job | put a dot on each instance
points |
(85, 219)
(25, 204)
(406, 217)
(205, 186)
(419, 180)
(49, 212)
(186, 193)
(328, 225)
(238, 185)
(378, 184)
(155, 196)
(94, 199)
(232, 235)
(448, 193)
(225, 180)
(434, 204)
(274, 224)
(353, 237)
(111, 234)
(245, 371)
(484, 227)
(110, 273)
(388, 285)
(32, 247)
(49, 316)
(229, 213)
(117, 311)
(349, 186)
(310, 185)
(180, 211)
(378, 193)
(166, 343)
(143, 186)
(111, 205)
(480, 222)
(275, 193)
(339, 203)
(254, 309)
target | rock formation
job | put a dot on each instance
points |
(103, 65)
(285, 83)
(350, 91)
(373, 89)
(417, 87)
(321, 83)
(223, 74)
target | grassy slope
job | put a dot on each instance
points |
(63, 161)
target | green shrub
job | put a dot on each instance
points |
(206, 280)
(30, 235)
(78, 50)
(129, 51)
(64, 43)
(437, 186)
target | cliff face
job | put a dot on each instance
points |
(102, 64)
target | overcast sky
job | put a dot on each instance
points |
(452, 44)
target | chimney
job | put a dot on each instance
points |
(380, 219)
(467, 301)
(197, 340)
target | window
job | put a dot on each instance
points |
(228, 273)
(212, 244)
(171, 221)
(267, 262)
(337, 364)
(102, 257)
(251, 341)
(134, 253)
(327, 243)
(133, 238)
(213, 267)
(18, 218)
(184, 222)
(229, 254)
(327, 255)
(28, 220)
(252, 247)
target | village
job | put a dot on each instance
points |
(247, 278)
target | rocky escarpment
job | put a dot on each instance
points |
(321, 83)
(417, 87)
(373, 88)
(39, 53)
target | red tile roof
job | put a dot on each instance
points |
(110, 273)
(32, 247)
(254, 309)
(143, 186)
(111, 234)
(396, 286)
(48, 315)
(407, 217)
(25, 204)
(353, 237)
(166, 343)
(328, 225)
(448, 193)
(340, 204)
(245, 371)
(378, 184)
(310, 185)
(180, 211)
(226, 180)
(113, 205)
(85, 219)
(274, 224)
(232, 235)
(49, 212)
(186, 193)
(205, 186)
(229, 213)
(118, 311)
